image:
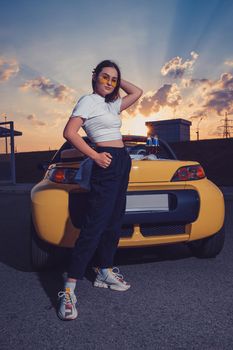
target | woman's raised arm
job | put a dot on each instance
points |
(133, 94)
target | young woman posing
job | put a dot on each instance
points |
(99, 115)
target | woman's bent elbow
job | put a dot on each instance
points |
(67, 136)
(140, 92)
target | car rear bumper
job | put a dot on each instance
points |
(195, 211)
(180, 208)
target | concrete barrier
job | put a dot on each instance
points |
(15, 211)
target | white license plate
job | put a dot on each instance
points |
(145, 202)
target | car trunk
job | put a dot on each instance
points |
(161, 170)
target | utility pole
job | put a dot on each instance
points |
(226, 127)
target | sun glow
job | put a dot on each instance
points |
(134, 126)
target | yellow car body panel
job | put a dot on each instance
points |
(142, 170)
(212, 209)
(50, 205)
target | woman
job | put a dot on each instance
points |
(98, 114)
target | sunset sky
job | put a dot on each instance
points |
(180, 52)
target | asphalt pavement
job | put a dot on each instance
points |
(176, 301)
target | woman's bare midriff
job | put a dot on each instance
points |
(113, 143)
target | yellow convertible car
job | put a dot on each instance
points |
(168, 201)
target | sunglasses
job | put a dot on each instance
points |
(104, 79)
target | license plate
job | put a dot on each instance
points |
(147, 202)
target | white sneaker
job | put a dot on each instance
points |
(67, 309)
(113, 280)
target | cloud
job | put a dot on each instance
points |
(219, 97)
(198, 99)
(175, 68)
(192, 98)
(229, 63)
(209, 97)
(57, 117)
(187, 83)
(34, 121)
(166, 96)
(46, 87)
(8, 68)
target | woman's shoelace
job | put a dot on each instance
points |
(67, 295)
(117, 273)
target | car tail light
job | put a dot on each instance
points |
(62, 175)
(188, 173)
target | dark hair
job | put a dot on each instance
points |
(108, 63)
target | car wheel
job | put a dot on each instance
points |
(208, 247)
(43, 254)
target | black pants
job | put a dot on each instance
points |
(100, 233)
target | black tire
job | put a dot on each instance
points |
(43, 254)
(208, 247)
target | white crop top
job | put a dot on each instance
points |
(102, 119)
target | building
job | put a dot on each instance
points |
(173, 130)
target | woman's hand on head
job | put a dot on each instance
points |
(103, 159)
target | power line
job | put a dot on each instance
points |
(226, 127)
